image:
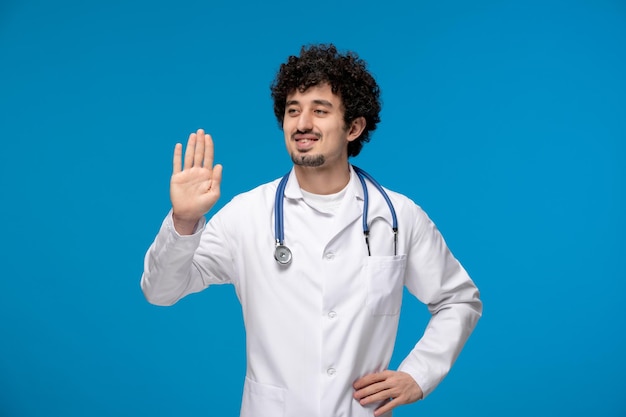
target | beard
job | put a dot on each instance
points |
(308, 160)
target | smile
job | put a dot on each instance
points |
(305, 141)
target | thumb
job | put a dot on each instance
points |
(216, 178)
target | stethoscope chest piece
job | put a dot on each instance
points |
(282, 254)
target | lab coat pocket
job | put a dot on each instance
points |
(385, 280)
(262, 400)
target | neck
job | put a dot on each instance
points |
(321, 180)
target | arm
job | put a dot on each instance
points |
(169, 272)
(436, 278)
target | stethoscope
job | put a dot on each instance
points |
(282, 253)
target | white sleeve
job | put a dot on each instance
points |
(175, 265)
(436, 278)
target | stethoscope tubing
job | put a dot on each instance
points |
(394, 219)
(282, 253)
(279, 227)
(382, 191)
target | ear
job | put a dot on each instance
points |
(356, 128)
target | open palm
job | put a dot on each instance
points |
(195, 185)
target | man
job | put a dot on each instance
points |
(320, 302)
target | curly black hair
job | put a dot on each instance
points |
(347, 76)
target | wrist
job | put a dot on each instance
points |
(184, 226)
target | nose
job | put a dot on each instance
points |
(305, 122)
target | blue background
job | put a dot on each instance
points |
(505, 121)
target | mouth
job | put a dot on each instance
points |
(305, 141)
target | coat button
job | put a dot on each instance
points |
(332, 314)
(329, 255)
(331, 371)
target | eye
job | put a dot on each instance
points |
(320, 112)
(291, 111)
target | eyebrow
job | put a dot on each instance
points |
(320, 102)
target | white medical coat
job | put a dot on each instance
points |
(331, 316)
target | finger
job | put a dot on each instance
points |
(199, 151)
(380, 394)
(178, 158)
(368, 380)
(216, 180)
(386, 407)
(372, 392)
(191, 147)
(209, 152)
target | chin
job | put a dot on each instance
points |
(306, 160)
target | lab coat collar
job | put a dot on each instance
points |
(377, 206)
(352, 208)
(293, 191)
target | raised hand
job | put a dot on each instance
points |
(194, 186)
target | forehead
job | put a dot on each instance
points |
(315, 93)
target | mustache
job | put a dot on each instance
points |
(306, 132)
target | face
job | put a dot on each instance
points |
(315, 132)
